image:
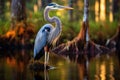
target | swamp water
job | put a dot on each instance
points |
(14, 66)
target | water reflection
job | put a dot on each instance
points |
(40, 76)
(97, 77)
(111, 71)
(100, 68)
(81, 62)
(14, 66)
(103, 71)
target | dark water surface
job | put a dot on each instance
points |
(14, 66)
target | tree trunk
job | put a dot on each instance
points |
(111, 11)
(18, 15)
(102, 10)
(44, 3)
(18, 11)
(81, 44)
(2, 9)
(70, 11)
(97, 11)
(116, 9)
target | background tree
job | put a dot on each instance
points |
(2, 8)
(116, 9)
(45, 2)
(70, 11)
(97, 10)
(21, 31)
(111, 11)
(81, 44)
(102, 10)
(18, 11)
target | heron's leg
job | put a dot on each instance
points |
(46, 76)
(47, 57)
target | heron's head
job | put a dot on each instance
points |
(55, 6)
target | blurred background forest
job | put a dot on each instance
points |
(20, 20)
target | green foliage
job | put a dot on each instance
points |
(70, 28)
(104, 30)
(4, 26)
(37, 19)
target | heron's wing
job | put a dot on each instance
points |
(40, 42)
(53, 36)
(41, 39)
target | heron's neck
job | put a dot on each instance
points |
(54, 19)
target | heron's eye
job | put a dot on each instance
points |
(54, 6)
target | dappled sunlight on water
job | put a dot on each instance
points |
(111, 71)
(14, 66)
(103, 71)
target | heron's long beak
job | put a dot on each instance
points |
(65, 7)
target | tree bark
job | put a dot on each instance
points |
(18, 10)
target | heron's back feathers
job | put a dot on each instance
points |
(41, 40)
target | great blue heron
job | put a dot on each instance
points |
(47, 34)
